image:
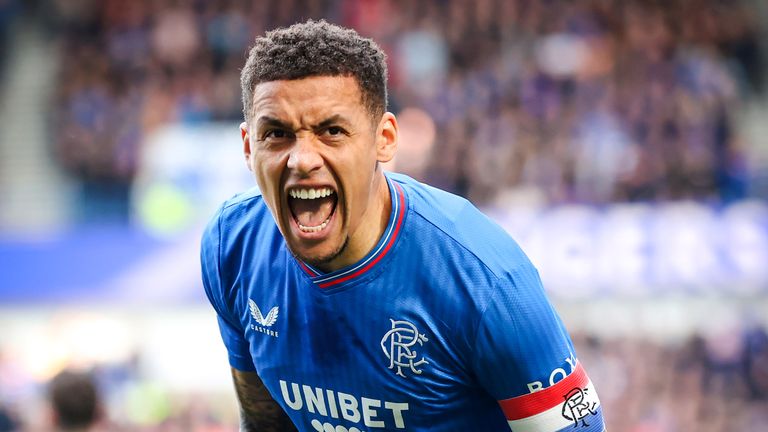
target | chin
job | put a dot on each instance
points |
(321, 256)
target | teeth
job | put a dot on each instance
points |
(310, 193)
(314, 228)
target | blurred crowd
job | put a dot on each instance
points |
(106, 398)
(707, 383)
(713, 382)
(554, 101)
(566, 101)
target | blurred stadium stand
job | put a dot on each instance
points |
(623, 143)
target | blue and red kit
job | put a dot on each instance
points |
(443, 326)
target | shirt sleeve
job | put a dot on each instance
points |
(232, 332)
(525, 359)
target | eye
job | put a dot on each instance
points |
(276, 134)
(335, 131)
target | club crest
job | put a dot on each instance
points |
(399, 345)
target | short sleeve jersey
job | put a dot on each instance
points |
(443, 326)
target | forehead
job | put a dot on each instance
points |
(306, 98)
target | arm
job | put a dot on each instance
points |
(258, 411)
(525, 359)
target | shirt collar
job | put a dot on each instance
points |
(355, 271)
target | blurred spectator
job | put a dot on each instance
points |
(9, 10)
(7, 423)
(75, 401)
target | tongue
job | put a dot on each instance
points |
(311, 212)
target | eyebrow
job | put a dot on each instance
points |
(275, 122)
(271, 121)
(334, 119)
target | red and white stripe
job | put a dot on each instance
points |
(542, 411)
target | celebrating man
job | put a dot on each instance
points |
(350, 299)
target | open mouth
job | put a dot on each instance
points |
(312, 208)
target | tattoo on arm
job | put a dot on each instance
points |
(258, 411)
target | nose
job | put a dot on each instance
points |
(304, 157)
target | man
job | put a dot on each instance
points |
(350, 299)
(74, 401)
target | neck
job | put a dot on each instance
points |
(371, 228)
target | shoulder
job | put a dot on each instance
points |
(241, 220)
(236, 214)
(241, 230)
(243, 204)
(456, 223)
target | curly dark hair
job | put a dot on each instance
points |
(317, 48)
(75, 399)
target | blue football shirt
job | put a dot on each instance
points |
(443, 326)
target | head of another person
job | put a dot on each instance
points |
(315, 132)
(74, 400)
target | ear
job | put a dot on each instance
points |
(386, 138)
(246, 143)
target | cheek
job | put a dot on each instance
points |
(361, 191)
(266, 178)
(266, 167)
(361, 168)
(269, 185)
